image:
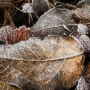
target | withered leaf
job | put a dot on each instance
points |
(80, 15)
(11, 35)
(62, 22)
(54, 62)
(22, 33)
(86, 7)
(54, 18)
(7, 34)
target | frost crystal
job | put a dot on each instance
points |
(82, 29)
(27, 8)
(85, 42)
(82, 84)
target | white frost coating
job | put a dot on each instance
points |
(82, 38)
(84, 41)
(27, 8)
(82, 84)
(5, 31)
(82, 29)
(51, 48)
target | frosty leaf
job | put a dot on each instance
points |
(43, 62)
(53, 19)
(86, 7)
(52, 63)
(56, 21)
(85, 42)
(8, 34)
(82, 84)
(82, 37)
(35, 45)
(22, 33)
(11, 35)
(80, 15)
(61, 23)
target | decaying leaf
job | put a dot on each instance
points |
(53, 19)
(11, 35)
(58, 21)
(52, 63)
(22, 33)
(80, 15)
(86, 7)
(7, 34)
(81, 36)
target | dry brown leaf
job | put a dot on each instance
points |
(54, 62)
(11, 35)
(60, 22)
(8, 34)
(53, 19)
(80, 15)
(22, 33)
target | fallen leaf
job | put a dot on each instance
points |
(22, 33)
(80, 15)
(54, 62)
(53, 19)
(11, 35)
